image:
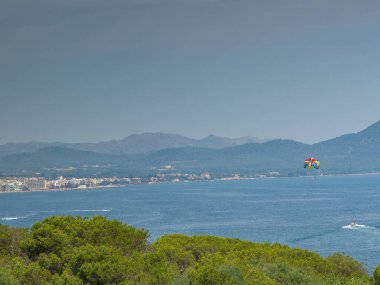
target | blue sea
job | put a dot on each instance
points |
(300, 212)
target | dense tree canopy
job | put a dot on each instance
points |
(75, 250)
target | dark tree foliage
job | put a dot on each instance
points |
(10, 240)
(55, 234)
(376, 275)
(78, 251)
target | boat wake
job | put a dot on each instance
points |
(355, 226)
(314, 236)
(11, 218)
(98, 210)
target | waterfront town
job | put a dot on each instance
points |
(14, 184)
(17, 184)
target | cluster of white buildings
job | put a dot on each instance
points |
(37, 183)
(23, 184)
(179, 177)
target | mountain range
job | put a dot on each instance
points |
(134, 144)
(351, 153)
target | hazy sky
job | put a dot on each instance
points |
(77, 70)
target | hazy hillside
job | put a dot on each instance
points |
(13, 148)
(353, 151)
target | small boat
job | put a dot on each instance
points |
(354, 225)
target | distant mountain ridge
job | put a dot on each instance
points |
(133, 144)
(351, 153)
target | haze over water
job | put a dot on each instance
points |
(300, 212)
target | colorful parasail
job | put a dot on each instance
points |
(312, 162)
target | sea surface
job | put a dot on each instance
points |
(301, 212)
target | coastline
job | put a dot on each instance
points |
(186, 181)
(65, 189)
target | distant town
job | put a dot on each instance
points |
(16, 184)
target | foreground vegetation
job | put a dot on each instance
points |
(74, 250)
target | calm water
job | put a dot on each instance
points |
(300, 212)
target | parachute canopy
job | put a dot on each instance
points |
(312, 162)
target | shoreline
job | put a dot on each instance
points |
(187, 181)
(65, 189)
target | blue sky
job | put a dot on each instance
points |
(78, 71)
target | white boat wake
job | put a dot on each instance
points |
(10, 218)
(100, 210)
(355, 226)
